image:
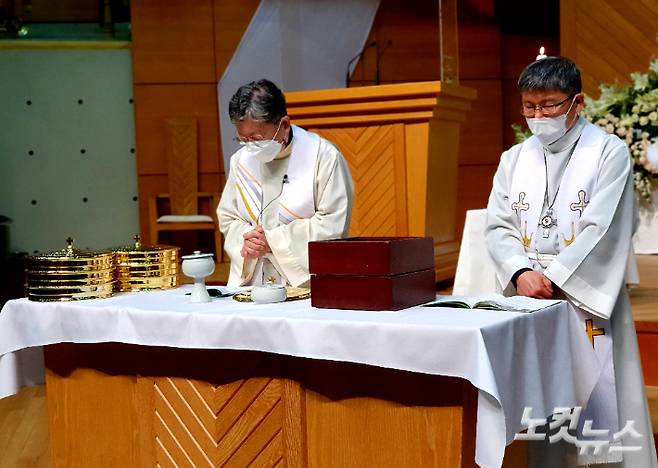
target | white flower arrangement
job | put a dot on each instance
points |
(631, 112)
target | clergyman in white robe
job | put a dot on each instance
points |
(585, 256)
(304, 194)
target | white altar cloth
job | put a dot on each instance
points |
(541, 359)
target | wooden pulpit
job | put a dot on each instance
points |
(401, 142)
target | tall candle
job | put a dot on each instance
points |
(541, 54)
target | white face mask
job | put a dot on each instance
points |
(549, 129)
(264, 150)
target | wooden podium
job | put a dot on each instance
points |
(401, 142)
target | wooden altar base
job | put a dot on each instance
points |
(124, 405)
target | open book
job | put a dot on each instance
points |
(493, 302)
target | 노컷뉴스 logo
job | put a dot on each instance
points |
(593, 441)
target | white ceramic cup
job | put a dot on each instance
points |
(268, 293)
(198, 266)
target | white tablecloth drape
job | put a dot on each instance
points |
(645, 240)
(541, 359)
(476, 274)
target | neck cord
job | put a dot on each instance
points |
(549, 207)
(284, 181)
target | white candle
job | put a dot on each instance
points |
(541, 54)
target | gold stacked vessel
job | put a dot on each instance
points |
(70, 275)
(145, 268)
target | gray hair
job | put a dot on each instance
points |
(259, 100)
(551, 73)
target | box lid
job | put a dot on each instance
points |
(371, 256)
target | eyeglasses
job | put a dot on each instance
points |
(546, 110)
(256, 139)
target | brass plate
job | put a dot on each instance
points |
(151, 258)
(55, 275)
(73, 255)
(138, 248)
(36, 284)
(91, 264)
(147, 284)
(127, 275)
(70, 293)
(147, 266)
(152, 254)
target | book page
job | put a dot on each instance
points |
(493, 302)
(462, 302)
(513, 303)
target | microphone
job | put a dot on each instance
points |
(348, 72)
(379, 56)
(283, 182)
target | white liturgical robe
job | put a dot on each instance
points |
(568, 210)
(304, 194)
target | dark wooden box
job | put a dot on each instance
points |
(372, 273)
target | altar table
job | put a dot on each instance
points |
(146, 378)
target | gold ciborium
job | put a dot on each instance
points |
(145, 268)
(70, 275)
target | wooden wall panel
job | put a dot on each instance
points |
(155, 104)
(647, 338)
(481, 141)
(173, 41)
(510, 112)
(473, 186)
(482, 132)
(479, 50)
(406, 38)
(376, 160)
(160, 183)
(231, 20)
(608, 39)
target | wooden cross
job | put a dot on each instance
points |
(520, 206)
(69, 246)
(592, 332)
(580, 206)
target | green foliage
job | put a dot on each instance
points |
(631, 112)
(521, 133)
